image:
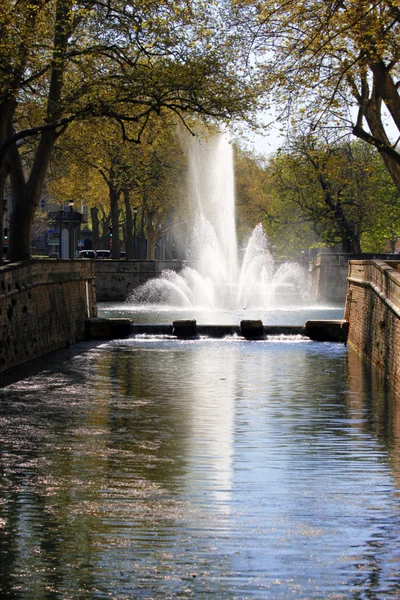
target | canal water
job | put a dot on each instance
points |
(228, 469)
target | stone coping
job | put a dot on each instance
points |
(382, 276)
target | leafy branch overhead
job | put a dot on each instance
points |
(333, 65)
(78, 61)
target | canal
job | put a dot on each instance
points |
(159, 468)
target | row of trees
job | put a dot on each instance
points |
(117, 179)
(65, 62)
(321, 194)
(82, 83)
(314, 193)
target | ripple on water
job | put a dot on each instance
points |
(157, 468)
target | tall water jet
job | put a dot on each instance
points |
(213, 277)
(212, 195)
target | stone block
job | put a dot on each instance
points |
(108, 329)
(185, 328)
(252, 330)
(327, 331)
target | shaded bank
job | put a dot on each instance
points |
(44, 305)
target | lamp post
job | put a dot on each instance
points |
(71, 240)
(135, 212)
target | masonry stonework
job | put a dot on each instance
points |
(116, 279)
(43, 307)
(328, 272)
(373, 312)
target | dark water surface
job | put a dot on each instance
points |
(226, 469)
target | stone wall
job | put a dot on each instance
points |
(328, 274)
(43, 307)
(373, 312)
(116, 279)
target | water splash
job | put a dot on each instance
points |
(213, 278)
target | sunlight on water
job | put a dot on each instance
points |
(159, 468)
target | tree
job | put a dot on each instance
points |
(83, 60)
(334, 64)
(252, 191)
(338, 189)
(145, 176)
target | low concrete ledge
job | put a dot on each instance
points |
(218, 331)
(284, 330)
(108, 329)
(215, 331)
(327, 331)
(146, 329)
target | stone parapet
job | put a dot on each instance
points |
(373, 312)
(43, 307)
(116, 279)
(328, 274)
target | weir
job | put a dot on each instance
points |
(114, 328)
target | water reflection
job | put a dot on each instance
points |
(157, 468)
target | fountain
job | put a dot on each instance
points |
(214, 278)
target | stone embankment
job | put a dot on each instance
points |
(116, 279)
(44, 306)
(327, 274)
(373, 312)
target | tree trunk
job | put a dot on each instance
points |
(151, 244)
(371, 109)
(356, 245)
(3, 178)
(94, 213)
(387, 89)
(142, 236)
(393, 240)
(129, 242)
(153, 230)
(374, 120)
(115, 246)
(351, 243)
(26, 196)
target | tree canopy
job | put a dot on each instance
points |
(63, 61)
(336, 194)
(333, 64)
(113, 176)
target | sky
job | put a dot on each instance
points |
(267, 143)
(268, 140)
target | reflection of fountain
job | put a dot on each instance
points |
(213, 278)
